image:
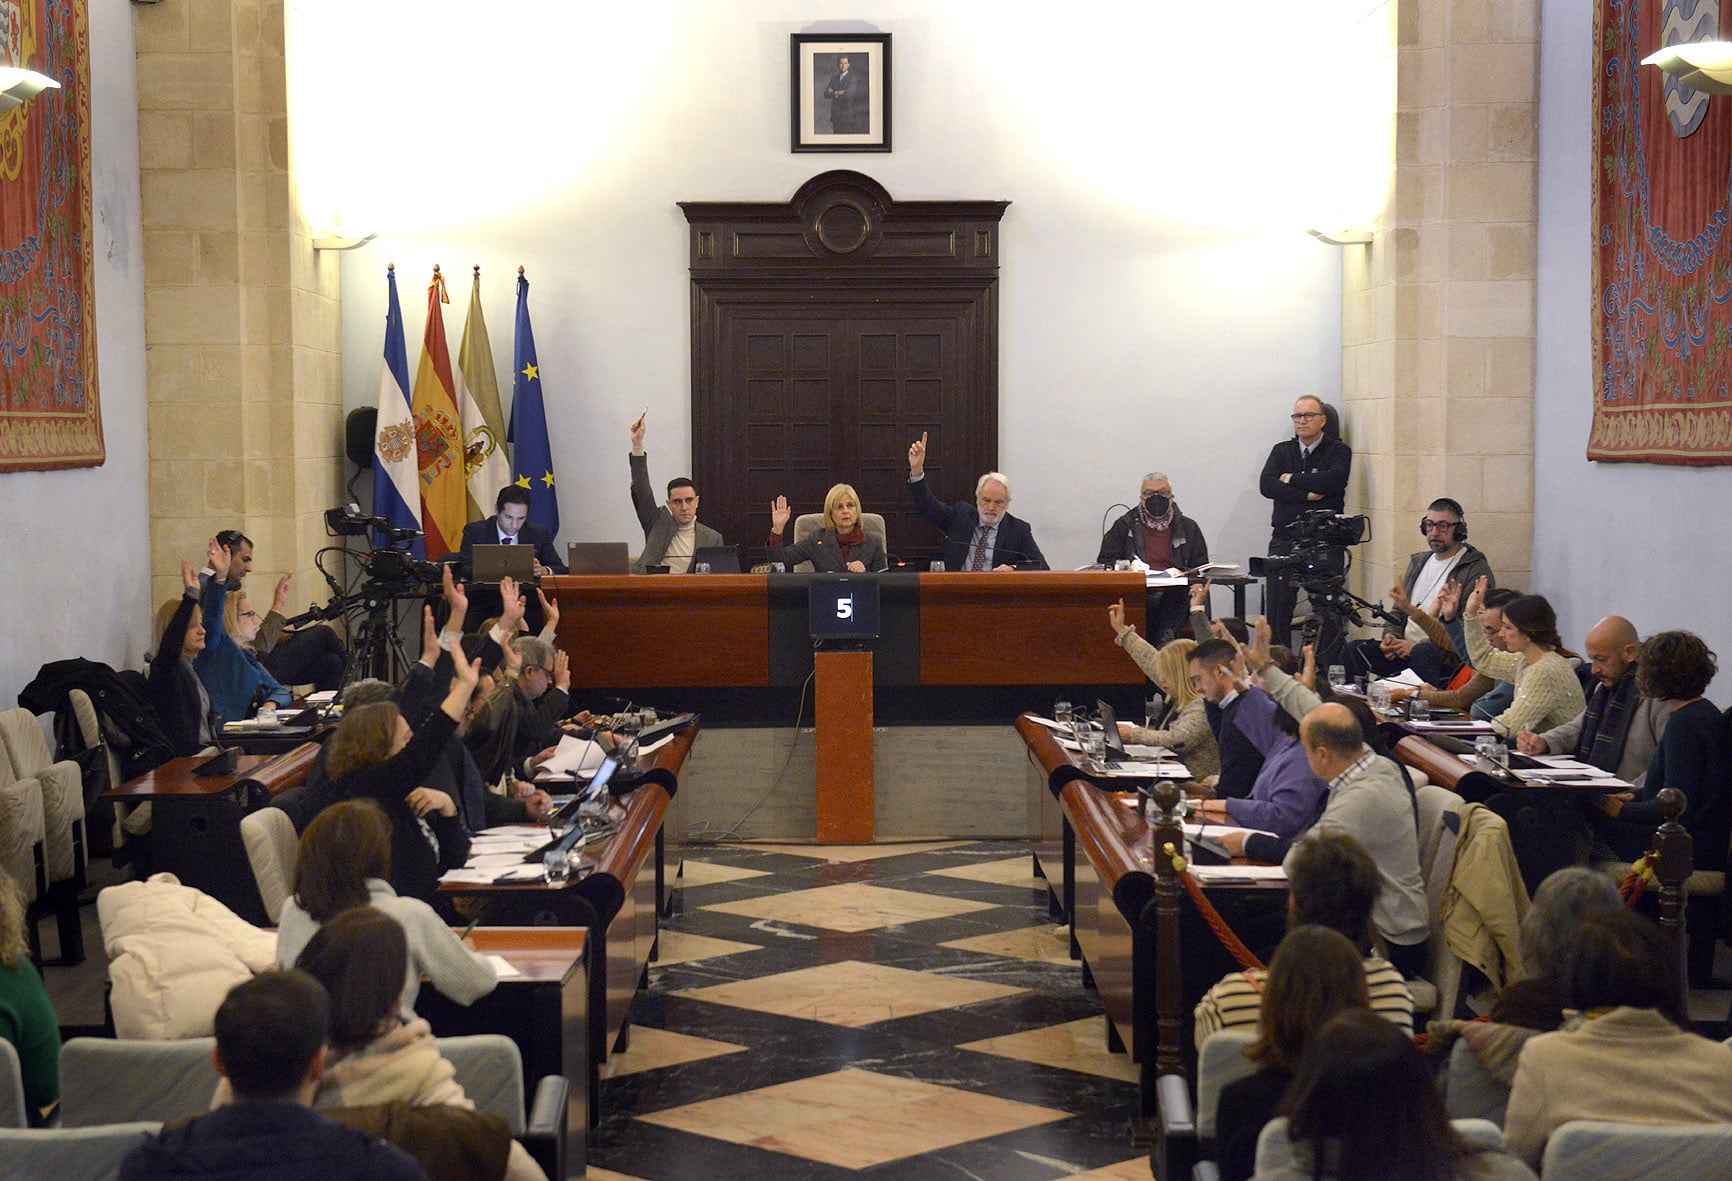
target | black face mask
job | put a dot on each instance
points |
(1157, 504)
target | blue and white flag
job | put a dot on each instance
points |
(396, 466)
(531, 454)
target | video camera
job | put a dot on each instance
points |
(347, 521)
(389, 568)
(1315, 540)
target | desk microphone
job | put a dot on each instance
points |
(1128, 511)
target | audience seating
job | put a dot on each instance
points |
(22, 838)
(62, 788)
(12, 1113)
(269, 837)
(71, 1154)
(1592, 1150)
(101, 832)
(1220, 1061)
(806, 524)
(1439, 812)
(1275, 1151)
(110, 1081)
(1469, 1090)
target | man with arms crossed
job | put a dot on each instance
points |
(1308, 471)
(671, 533)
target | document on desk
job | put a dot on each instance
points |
(1223, 874)
(1208, 836)
(1405, 679)
(1055, 727)
(1149, 753)
(508, 840)
(502, 967)
(1465, 726)
(575, 756)
(1127, 769)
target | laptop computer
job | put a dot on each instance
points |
(495, 562)
(1115, 743)
(841, 608)
(723, 559)
(598, 557)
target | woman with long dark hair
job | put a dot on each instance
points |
(1363, 1107)
(1547, 693)
(345, 862)
(1316, 973)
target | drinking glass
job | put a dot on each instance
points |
(1378, 695)
(1061, 712)
(1338, 675)
(701, 568)
(1418, 709)
(936, 567)
(778, 567)
(556, 867)
(1122, 564)
(1094, 744)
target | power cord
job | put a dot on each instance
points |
(799, 717)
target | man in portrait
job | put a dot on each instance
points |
(846, 91)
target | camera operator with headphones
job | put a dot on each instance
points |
(1447, 557)
(1156, 532)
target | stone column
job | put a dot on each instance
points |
(242, 324)
(1438, 310)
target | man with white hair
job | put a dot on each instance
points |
(1158, 534)
(982, 535)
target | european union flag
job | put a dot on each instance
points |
(531, 454)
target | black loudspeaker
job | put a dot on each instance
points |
(358, 431)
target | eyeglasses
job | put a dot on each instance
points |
(249, 615)
(1429, 526)
(1305, 414)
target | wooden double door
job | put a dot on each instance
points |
(827, 335)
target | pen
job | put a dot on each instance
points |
(473, 923)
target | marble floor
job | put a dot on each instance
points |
(886, 1011)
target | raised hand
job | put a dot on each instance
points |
(637, 433)
(1398, 596)
(1476, 598)
(1448, 600)
(917, 456)
(465, 671)
(1308, 669)
(1116, 616)
(779, 514)
(1262, 637)
(429, 638)
(511, 658)
(1200, 595)
(549, 610)
(280, 599)
(561, 670)
(512, 615)
(188, 578)
(218, 557)
(456, 598)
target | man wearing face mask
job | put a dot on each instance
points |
(1162, 537)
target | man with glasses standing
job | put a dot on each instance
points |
(1308, 471)
(1446, 558)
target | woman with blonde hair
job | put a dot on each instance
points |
(27, 1018)
(345, 862)
(1183, 726)
(839, 545)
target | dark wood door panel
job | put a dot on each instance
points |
(812, 365)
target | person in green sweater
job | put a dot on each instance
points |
(26, 1018)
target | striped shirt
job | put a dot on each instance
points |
(1235, 1002)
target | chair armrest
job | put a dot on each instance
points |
(544, 1129)
(1177, 1149)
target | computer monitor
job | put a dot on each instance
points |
(598, 557)
(1110, 721)
(843, 608)
(721, 559)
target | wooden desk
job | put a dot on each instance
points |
(1545, 820)
(545, 1011)
(702, 631)
(1107, 885)
(196, 820)
(617, 904)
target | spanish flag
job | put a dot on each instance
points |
(439, 433)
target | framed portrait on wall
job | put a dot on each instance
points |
(839, 92)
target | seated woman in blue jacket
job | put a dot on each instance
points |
(839, 544)
(233, 676)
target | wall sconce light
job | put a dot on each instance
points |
(334, 239)
(1700, 65)
(19, 86)
(1342, 237)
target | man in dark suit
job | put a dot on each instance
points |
(982, 535)
(847, 94)
(509, 525)
(1308, 471)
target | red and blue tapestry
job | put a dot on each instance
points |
(49, 416)
(1662, 254)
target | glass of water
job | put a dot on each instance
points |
(701, 568)
(1418, 708)
(556, 867)
(936, 567)
(1094, 743)
(1061, 712)
(778, 567)
(1338, 676)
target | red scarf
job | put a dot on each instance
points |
(854, 537)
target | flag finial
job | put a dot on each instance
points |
(519, 270)
(390, 266)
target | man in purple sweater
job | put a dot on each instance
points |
(1287, 796)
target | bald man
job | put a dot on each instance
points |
(1620, 729)
(1371, 801)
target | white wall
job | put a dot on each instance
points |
(1650, 542)
(1160, 304)
(76, 567)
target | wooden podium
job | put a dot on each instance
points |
(843, 720)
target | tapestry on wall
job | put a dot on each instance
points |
(1662, 258)
(49, 417)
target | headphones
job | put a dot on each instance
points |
(1444, 502)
